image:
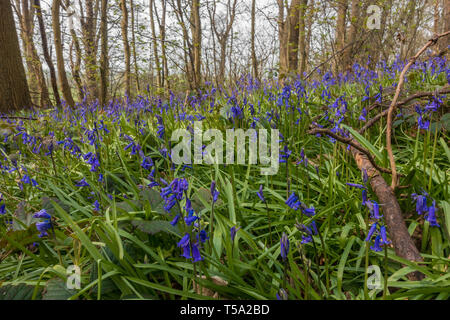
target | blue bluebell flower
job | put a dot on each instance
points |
(284, 246)
(260, 194)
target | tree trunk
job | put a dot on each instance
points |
(32, 59)
(353, 31)
(252, 37)
(302, 37)
(14, 93)
(47, 57)
(196, 41)
(75, 67)
(88, 26)
(64, 83)
(155, 45)
(133, 43)
(340, 33)
(104, 53)
(446, 41)
(162, 37)
(126, 45)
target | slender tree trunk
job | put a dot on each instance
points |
(293, 35)
(162, 37)
(104, 52)
(282, 37)
(155, 45)
(126, 45)
(64, 83)
(45, 51)
(446, 41)
(14, 92)
(133, 43)
(252, 37)
(302, 37)
(196, 41)
(75, 66)
(353, 31)
(88, 26)
(340, 32)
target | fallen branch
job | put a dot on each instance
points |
(352, 143)
(371, 122)
(393, 104)
(403, 244)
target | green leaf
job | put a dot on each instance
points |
(57, 290)
(155, 226)
(20, 291)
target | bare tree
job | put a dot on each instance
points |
(48, 60)
(126, 45)
(64, 83)
(222, 33)
(104, 52)
(252, 43)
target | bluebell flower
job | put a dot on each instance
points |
(190, 218)
(97, 205)
(175, 220)
(383, 235)
(42, 214)
(372, 230)
(202, 236)
(214, 193)
(376, 246)
(355, 185)
(260, 193)
(374, 209)
(293, 201)
(3, 209)
(284, 246)
(233, 232)
(45, 225)
(431, 216)
(82, 183)
(421, 202)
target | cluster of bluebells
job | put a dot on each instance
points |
(429, 212)
(424, 114)
(307, 231)
(45, 225)
(192, 241)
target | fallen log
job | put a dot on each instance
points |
(403, 244)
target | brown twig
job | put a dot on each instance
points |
(393, 104)
(335, 54)
(352, 143)
(371, 122)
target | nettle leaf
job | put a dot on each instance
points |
(202, 199)
(129, 205)
(22, 219)
(155, 226)
(152, 197)
(48, 206)
(23, 237)
(57, 290)
(18, 292)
